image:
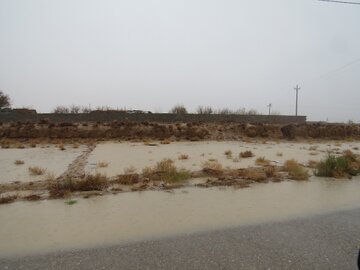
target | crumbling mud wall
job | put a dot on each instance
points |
(177, 131)
(108, 116)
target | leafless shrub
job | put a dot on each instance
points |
(35, 170)
(179, 109)
(204, 110)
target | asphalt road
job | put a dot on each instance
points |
(327, 241)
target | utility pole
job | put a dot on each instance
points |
(297, 88)
(269, 105)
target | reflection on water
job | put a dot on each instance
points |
(38, 227)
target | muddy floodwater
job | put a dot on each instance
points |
(121, 156)
(48, 226)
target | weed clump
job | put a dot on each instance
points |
(295, 170)
(212, 167)
(165, 170)
(228, 154)
(262, 161)
(102, 164)
(19, 162)
(96, 182)
(246, 154)
(183, 157)
(339, 166)
(36, 170)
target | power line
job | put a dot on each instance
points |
(340, 2)
(334, 71)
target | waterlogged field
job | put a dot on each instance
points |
(191, 155)
(77, 220)
(49, 159)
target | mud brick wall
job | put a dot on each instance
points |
(13, 116)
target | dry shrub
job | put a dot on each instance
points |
(255, 175)
(183, 157)
(19, 162)
(246, 154)
(279, 154)
(102, 164)
(7, 199)
(212, 167)
(228, 154)
(128, 179)
(165, 170)
(60, 189)
(166, 141)
(35, 170)
(349, 155)
(93, 182)
(262, 161)
(313, 153)
(270, 171)
(295, 170)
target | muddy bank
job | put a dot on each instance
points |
(178, 131)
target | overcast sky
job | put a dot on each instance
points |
(152, 54)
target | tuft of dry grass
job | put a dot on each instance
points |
(149, 143)
(262, 161)
(295, 170)
(96, 182)
(183, 157)
(165, 170)
(102, 164)
(19, 162)
(270, 171)
(35, 170)
(128, 179)
(246, 154)
(228, 154)
(166, 141)
(255, 175)
(212, 167)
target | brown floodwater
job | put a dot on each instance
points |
(48, 226)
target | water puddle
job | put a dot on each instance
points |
(47, 226)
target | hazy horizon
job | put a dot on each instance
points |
(151, 55)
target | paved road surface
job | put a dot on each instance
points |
(327, 241)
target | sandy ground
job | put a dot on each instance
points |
(51, 225)
(121, 156)
(50, 158)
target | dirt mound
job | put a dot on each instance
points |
(179, 131)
